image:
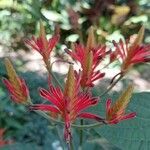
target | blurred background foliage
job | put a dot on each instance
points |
(72, 18)
(19, 19)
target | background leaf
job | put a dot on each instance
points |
(135, 133)
(21, 146)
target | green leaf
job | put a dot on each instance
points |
(21, 146)
(131, 134)
(51, 15)
(11, 122)
(72, 37)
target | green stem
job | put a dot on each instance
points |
(50, 119)
(93, 125)
(68, 146)
(71, 145)
(54, 77)
(111, 86)
(48, 67)
(81, 135)
(60, 136)
(80, 127)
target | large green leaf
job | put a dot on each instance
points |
(131, 134)
(21, 146)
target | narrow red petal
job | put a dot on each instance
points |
(90, 116)
(44, 107)
(52, 43)
(100, 75)
(128, 116)
(82, 105)
(25, 90)
(46, 95)
(108, 105)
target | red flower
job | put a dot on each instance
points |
(19, 93)
(15, 85)
(115, 117)
(89, 58)
(2, 141)
(116, 113)
(132, 53)
(42, 45)
(39, 45)
(68, 104)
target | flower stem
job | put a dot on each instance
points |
(68, 146)
(80, 127)
(71, 145)
(49, 118)
(60, 136)
(48, 67)
(111, 86)
(58, 83)
(81, 135)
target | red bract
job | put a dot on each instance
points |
(2, 141)
(116, 112)
(88, 61)
(15, 85)
(115, 117)
(68, 104)
(19, 93)
(132, 54)
(42, 45)
(89, 58)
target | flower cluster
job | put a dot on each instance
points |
(42, 45)
(70, 103)
(116, 113)
(133, 52)
(89, 57)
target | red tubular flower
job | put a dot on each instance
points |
(19, 93)
(116, 113)
(15, 85)
(89, 58)
(133, 54)
(42, 45)
(69, 104)
(2, 141)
